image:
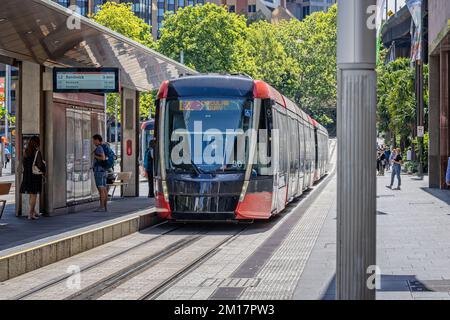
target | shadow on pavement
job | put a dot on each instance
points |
(443, 195)
(396, 283)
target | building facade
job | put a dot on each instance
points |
(439, 106)
(303, 8)
(152, 11)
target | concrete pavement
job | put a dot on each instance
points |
(413, 245)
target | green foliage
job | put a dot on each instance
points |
(119, 17)
(425, 143)
(272, 62)
(211, 39)
(312, 44)
(297, 58)
(396, 107)
(147, 104)
(256, 17)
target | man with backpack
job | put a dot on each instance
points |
(103, 162)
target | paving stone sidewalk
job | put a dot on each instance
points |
(413, 245)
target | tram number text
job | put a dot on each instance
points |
(246, 309)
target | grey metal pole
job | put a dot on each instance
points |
(356, 179)
(116, 139)
(7, 98)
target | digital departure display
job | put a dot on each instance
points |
(94, 80)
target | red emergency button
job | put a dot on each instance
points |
(129, 148)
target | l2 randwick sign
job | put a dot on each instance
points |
(93, 80)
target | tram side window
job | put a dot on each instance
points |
(301, 145)
(292, 145)
(283, 142)
(294, 131)
(156, 132)
(264, 163)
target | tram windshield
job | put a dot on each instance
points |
(207, 135)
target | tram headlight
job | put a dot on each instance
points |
(165, 192)
(244, 191)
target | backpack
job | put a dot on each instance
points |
(110, 157)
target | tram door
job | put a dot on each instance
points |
(80, 126)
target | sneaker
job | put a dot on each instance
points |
(389, 187)
(100, 209)
(398, 188)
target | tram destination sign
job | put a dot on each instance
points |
(93, 80)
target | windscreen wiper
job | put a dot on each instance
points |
(196, 168)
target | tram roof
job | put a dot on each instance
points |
(37, 31)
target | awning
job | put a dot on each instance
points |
(37, 31)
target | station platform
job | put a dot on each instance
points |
(26, 245)
(413, 251)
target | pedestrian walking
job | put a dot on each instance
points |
(447, 176)
(382, 162)
(391, 157)
(378, 162)
(396, 169)
(387, 156)
(7, 156)
(104, 159)
(148, 166)
(33, 171)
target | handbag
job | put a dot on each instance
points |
(34, 168)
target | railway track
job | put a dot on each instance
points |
(113, 281)
(98, 263)
(166, 284)
(121, 276)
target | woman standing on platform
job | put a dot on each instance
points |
(33, 171)
(149, 160)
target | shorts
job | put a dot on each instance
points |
(100, 179)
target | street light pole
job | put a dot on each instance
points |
(356, 179)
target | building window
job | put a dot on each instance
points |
(97, 4)
(232, 8)
(171, 5)
(305, 11)
(84, 6)
(143, 9)
(64, 3)
(252, 8)
(180, 3)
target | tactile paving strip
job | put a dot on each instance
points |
(279, 276)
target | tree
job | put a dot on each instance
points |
(120, 18)
(211, 39)
(272, 62)
(312, 44)
(396, 106)
(147, 104)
